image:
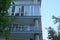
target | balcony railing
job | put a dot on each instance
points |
(25, 29)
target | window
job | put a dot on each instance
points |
(19, 11)
(28, 10)
(32, 10)
(37, 10)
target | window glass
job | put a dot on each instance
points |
(32, 12)
(27, 10)
(37, 11)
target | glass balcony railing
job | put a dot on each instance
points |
(25, 29)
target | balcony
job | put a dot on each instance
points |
(25, 29)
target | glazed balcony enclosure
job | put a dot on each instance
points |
(27, 2)
(24, 24)
(25, 29)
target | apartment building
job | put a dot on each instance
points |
(27, 24)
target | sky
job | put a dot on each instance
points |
(48, 9)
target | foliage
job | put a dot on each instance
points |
(5, 19)
(5, 4)
(52, 34)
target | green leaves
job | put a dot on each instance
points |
(5, 19)
(4, 23)
(52, 34)
(5, 4)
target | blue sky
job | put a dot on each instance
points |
(48, 9)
